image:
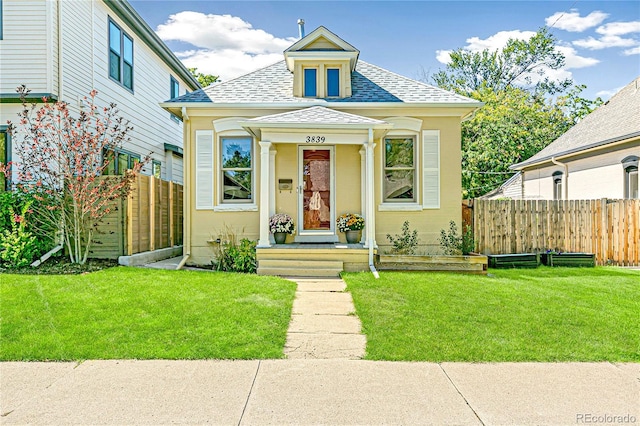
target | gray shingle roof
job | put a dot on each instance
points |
(369, 84)
(617, 119)
(316, 115)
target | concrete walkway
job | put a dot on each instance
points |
(306, 392)
(324, 324)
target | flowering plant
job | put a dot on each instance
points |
(281, 222)
(350, 222)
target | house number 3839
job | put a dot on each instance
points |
(315, 139)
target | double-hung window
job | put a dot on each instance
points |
(119, 162)
(156, 169)
(557, 186)
(630, 167)
(237, 169)
(310, 82)
(631, 182)
(333, 82)
(399, 169)
(175, 89)
(120, 56)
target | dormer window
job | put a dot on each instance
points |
(321, 63)
(333, 82)
(310, 82)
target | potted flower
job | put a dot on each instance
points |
(280, 225)
(351, 224)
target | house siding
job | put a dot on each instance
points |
(591, 177)
(23, 49)
(31, 36)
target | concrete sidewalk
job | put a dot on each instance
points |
(308, 391)
(324, 324)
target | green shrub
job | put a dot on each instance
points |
(406, 242)
(17, 245)
(12, 201)
(454, 244)
(234, 256)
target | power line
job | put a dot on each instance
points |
(489, 173)
(563, 13)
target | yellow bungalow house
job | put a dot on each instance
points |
(317, 135)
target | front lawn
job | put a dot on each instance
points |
(546, 314)
(126, 313)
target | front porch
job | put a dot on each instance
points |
(312, 260)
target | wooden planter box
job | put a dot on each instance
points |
(587, 260)
(473, 263)
(519, 260)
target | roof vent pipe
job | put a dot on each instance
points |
(301, 27)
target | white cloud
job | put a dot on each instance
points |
(619, 28)
(227, 63)
(606, 94)
(573, 60)
(227, 45)
(605, 42)
(443, 56)
(573, 22)
(499, 41)
(496, 41)
(634, 51)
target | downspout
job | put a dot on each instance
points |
(371, 196)
(565, 177)
(186, 203)
(59, 36)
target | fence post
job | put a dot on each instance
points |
(170, 215)
(152, 214)
(129, 222)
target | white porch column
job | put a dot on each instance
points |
(265, 197)
(272, 185)
(363, 189)
(370, 223)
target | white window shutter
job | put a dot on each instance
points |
(431, 169)
(204, 169)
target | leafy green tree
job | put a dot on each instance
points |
(524, 110)
(511, 127)
(204, 79)
(521, 63)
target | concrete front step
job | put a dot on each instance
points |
(301, 268)
(295, 272)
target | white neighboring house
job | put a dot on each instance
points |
(65, 49)
(510, 189)
(596, 158)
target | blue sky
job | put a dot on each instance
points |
(601, 39)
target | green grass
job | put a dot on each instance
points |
(547, 314)
(131, 313)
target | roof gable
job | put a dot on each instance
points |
(317, 115)
(616, 120)
(321, 36)
(321, 44)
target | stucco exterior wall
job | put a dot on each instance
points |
(206, 225)
(595, 176)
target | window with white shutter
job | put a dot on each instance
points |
(431, 169)
(204, 169)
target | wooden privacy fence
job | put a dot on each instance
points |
(608, 228)
(149, 219)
